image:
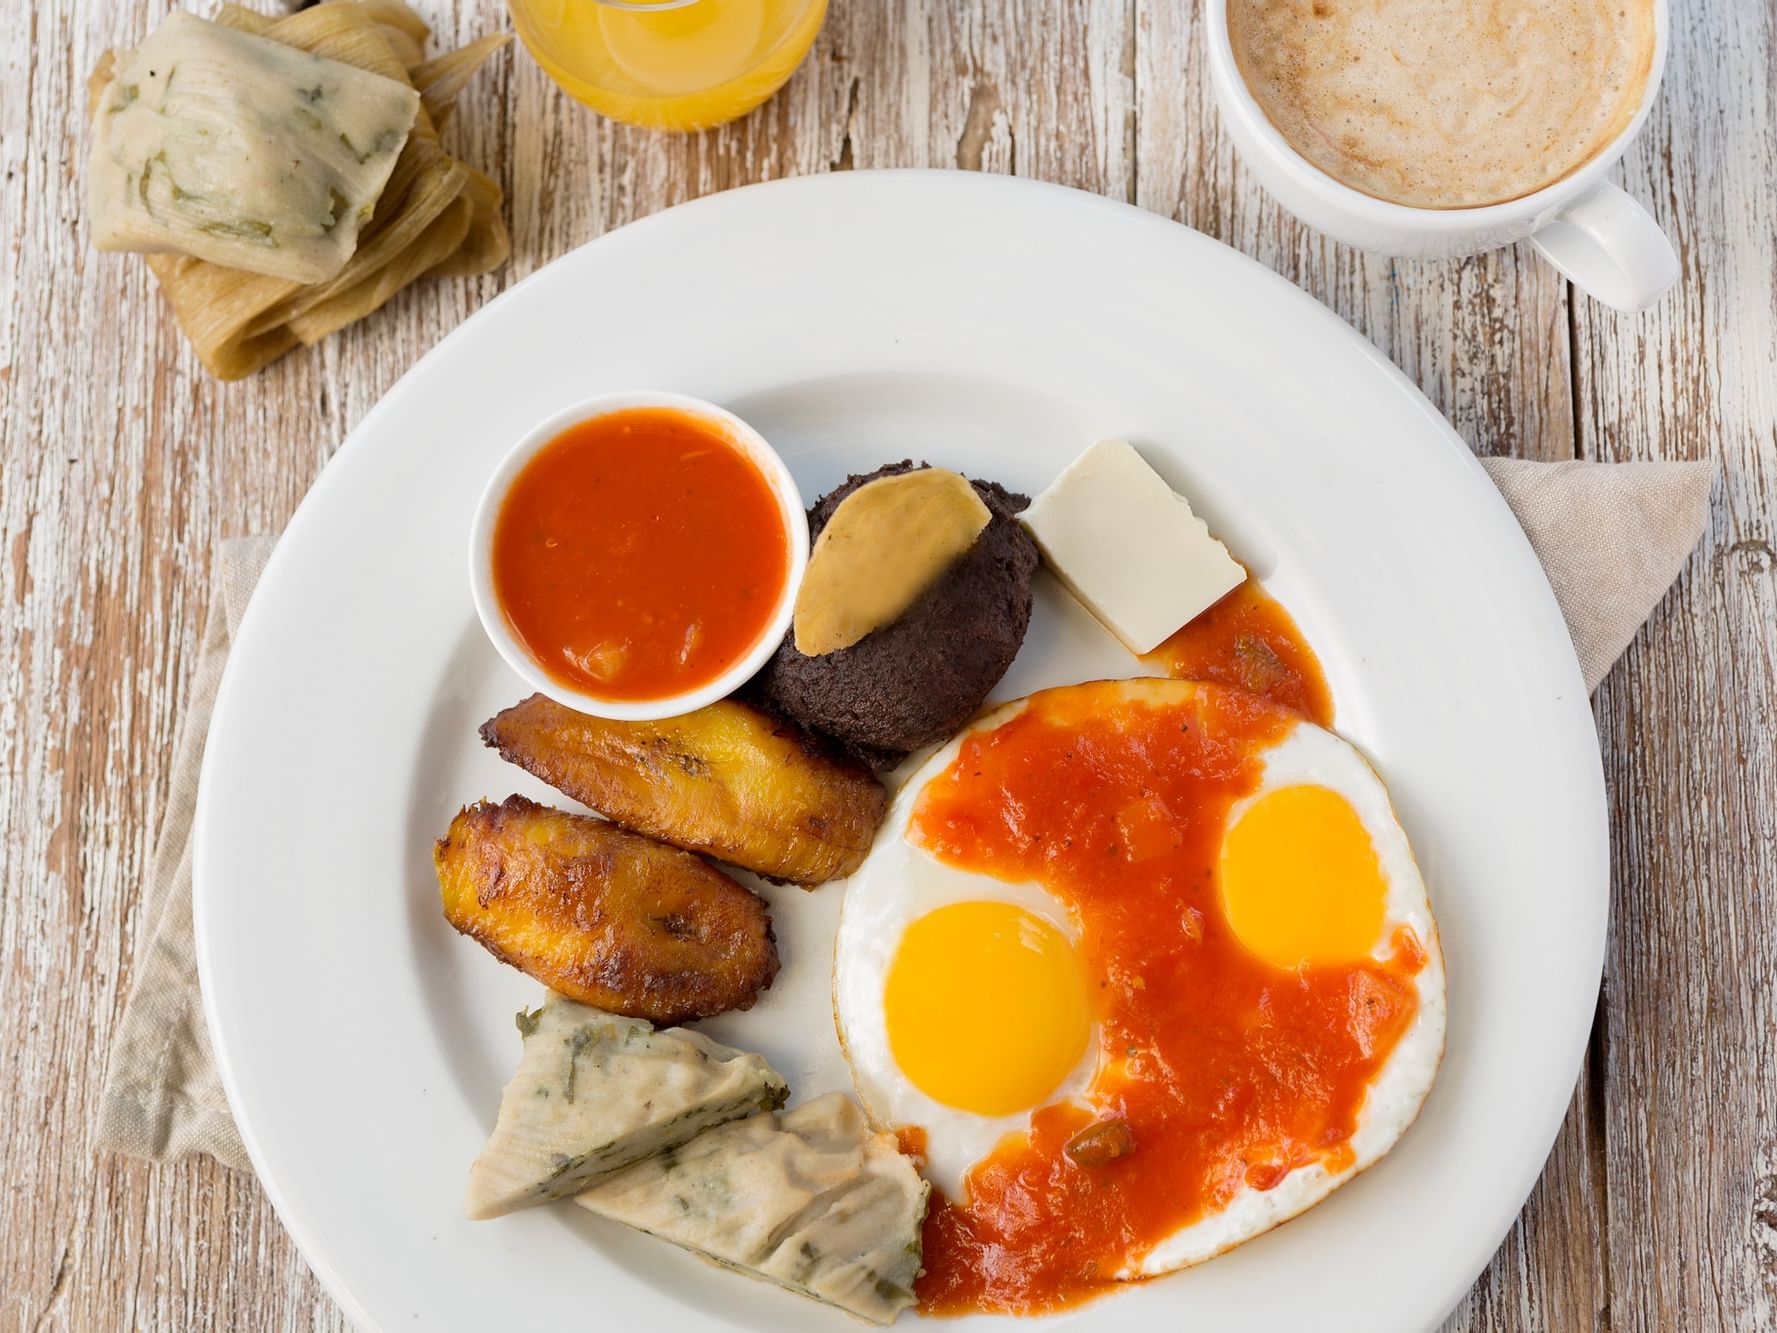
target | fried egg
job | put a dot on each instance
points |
(1165, 903)
(1315, 868)
(962, 1002)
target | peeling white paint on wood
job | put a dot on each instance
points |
(121, 462)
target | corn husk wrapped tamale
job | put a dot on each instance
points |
(435, 216)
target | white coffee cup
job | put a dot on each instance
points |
(1583, 224)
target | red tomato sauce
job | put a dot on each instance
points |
(1248, 640)
(639, 555)
(1229, 1072)
(912, 1140)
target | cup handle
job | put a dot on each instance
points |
(1606, 244)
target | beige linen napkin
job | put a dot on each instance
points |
(163, 1098)
(1611, 536)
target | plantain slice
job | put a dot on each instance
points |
(605, 917)
(729, 780)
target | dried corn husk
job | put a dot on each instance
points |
(436, 215)
(442, 78)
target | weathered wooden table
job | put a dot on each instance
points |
(122, 462)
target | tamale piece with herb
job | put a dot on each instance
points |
(435, 216)
(243, 151)
(595, 1093)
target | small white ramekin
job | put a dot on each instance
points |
(487, 512)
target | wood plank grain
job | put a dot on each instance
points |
(1689, 718)
(120, 462)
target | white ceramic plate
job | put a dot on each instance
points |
(989, 325)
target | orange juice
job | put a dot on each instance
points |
(669, 64)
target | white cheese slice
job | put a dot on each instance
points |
(595, 1093)
(811, 1199)
(1128, 548)
(242, 151)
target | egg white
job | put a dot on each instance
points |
(898, 883)
(1308, 754)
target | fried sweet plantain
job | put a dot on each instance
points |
(605, 917)
(729, 780)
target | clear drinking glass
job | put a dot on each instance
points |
(669, 64)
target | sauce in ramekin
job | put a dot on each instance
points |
(640, 554)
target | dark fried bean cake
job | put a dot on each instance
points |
(919, 678)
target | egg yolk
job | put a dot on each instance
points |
(986, 1007)
(1300, 882)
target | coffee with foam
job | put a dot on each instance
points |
(1446, 103)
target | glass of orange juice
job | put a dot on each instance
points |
(669, 64)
